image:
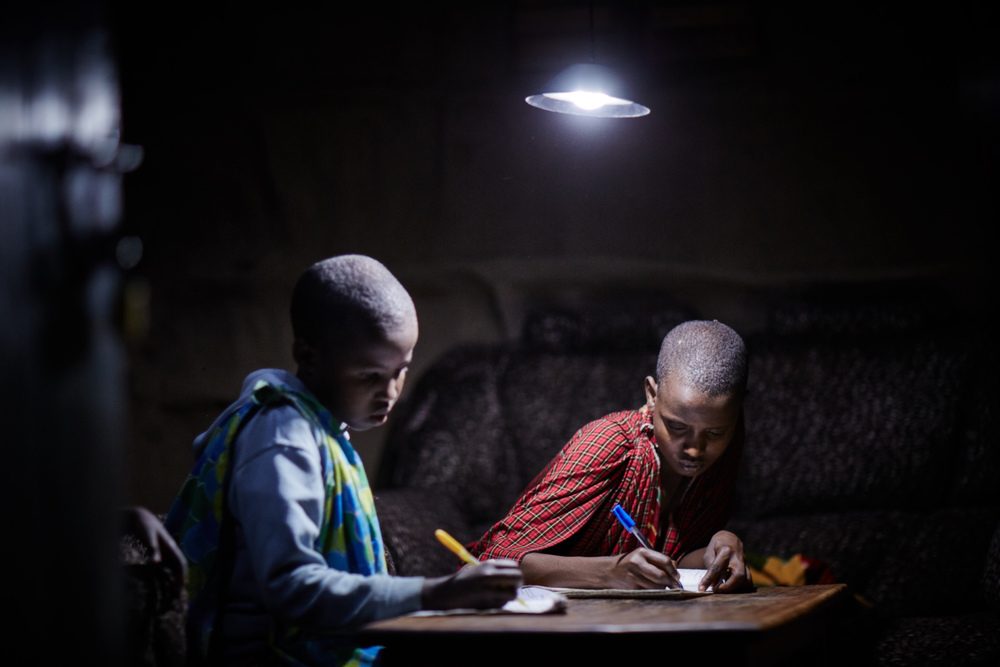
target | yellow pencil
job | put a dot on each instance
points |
(455, 547)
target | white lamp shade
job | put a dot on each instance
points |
(586, 89)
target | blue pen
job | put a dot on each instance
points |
(629, 525)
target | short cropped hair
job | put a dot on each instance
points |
(708, 354)
(346, 295)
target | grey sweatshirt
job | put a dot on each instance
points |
(276, 496)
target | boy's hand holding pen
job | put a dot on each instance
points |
(644, 569)
(487, 585)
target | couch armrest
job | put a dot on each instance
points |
(156, 614)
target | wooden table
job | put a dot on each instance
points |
(769, 626)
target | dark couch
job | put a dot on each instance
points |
(872, 435)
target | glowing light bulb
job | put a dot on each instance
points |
(586, 100)
(589, 101)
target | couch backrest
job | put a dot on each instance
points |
(872, 443)
(859, 408)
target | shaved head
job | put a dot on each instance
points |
(348, 295)
(706, 354)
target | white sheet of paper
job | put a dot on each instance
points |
(529, 600)
(536, 600)
(690, 578)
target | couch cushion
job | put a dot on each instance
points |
(858, 310)
(851, 424)
(991, 573)
(549, 397)
(601, 331)
(408, 518)
(977, 464)
(449, 439)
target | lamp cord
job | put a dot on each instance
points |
(593, 42)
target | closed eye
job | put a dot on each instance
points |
(380, 376)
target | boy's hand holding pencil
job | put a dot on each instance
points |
(487, 585)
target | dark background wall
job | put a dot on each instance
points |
(787, 145)
(62, 366)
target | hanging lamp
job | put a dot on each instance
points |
(588, 89)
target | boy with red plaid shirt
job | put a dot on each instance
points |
(672, 465)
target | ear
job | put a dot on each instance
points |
(304, 355)
(651, 387)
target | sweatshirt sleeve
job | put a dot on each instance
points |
(277, 497)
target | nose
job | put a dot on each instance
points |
(392, 389)
(695, 446)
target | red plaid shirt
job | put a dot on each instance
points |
(566, 509)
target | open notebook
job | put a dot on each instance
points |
(690, 578)
(547, 600)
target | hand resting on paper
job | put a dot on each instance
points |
(486, 586)
(725, 562)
